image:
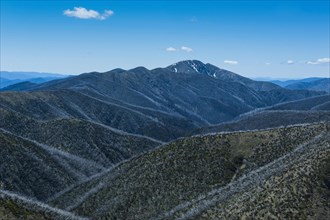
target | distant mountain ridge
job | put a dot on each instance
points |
(11, 78)
(21, 86)
(284, 83)
(28, 75)
(317, 85)
(314, 84)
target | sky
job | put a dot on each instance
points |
(268, 39)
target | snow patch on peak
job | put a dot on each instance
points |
(194, 67)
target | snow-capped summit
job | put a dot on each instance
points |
(189, 66)
(198, 67)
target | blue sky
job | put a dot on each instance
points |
(278, 39)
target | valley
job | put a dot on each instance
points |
(188, 141)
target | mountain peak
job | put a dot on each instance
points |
(139, 69)
(189, 66)
(198, 67)
(191, 62)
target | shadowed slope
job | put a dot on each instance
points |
(96, 142)
(13, 206)
(48, 105)
(314, 109)
(39, 170)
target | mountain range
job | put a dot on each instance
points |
(284, 83)
(12, 78)
(186, 141)
(193, 94)
(316, 84)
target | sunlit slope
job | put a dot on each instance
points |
(194, 173)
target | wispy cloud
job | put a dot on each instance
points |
(183, 48)
(231, 62)
(171, 49)
(186, 49)
(83, 13)
(290, 62)
(267, 63)
(319, 61)
(193, 19)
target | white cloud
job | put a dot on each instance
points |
(319, 61)
(83, 13)
(267, 63)
(171, 49)
(290, 62)
(183, 48)
(231, 62)
(186, 49)
(106, 14)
